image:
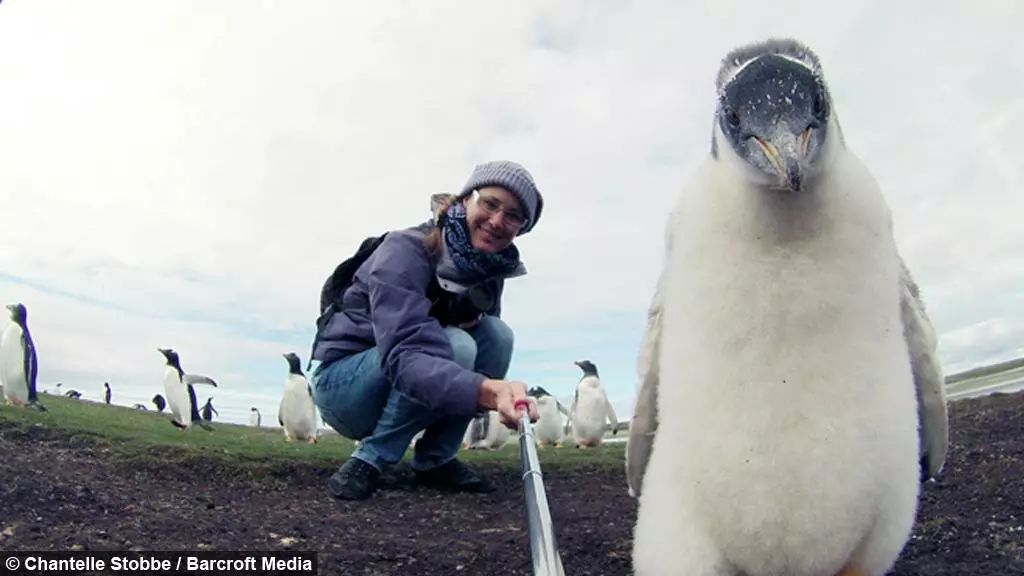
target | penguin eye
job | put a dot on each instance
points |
(819, 109)
(732, 119)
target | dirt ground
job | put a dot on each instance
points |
(61, 493)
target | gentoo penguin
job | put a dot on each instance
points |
(106, 395)
(486, 432)
(159, 402)
(590, 409)
(208, 410)
(787, 439)
(297, 413)
(254, 417)
(19, 366)
(73, 394)
(181, 396)
(548, 428)
(140, 407)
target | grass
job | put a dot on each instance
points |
(128, 433)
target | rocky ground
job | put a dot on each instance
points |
(59, 493)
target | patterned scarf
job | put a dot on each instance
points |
(472, 265)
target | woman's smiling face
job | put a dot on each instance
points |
(494, 216)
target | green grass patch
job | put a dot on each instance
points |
(128, 434)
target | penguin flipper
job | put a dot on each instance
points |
(197, 379)
(933, 417)
(572, 412)
(31, 364)
(644, 425)
(610, 413)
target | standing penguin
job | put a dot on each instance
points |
(159, 402)
(297, 412)
(254, 417)
(486, 432)
(106, 395)
(181, 396)
(548, 428)
(590, 409)
(776, 424)
(19, 366)
(208, 410)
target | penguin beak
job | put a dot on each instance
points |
(787, 164)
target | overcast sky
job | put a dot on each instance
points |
(186, 174)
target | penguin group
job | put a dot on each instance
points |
(790, 400)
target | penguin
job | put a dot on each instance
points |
(208, 410)
(140, 407)
(776, 423)
(589, 409)
(486, 432)
(106, 395)
(548, 428)
(297, 413)
(181, 396)
(159, 402)
(73, 394)
(19, 365)
(254, 417)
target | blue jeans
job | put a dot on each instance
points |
(357, 400)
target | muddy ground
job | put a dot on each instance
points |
(61, 493)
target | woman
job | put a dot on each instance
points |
(418, 344)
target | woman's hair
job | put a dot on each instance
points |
(432, 241)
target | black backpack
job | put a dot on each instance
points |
(336, 284)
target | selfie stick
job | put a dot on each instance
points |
(546, 561)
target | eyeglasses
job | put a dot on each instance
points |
(491, 206)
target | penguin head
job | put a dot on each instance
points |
(253, 409)
(19, 314)
(775, 113)
(538, 392)
(588, 367)
(106, 385)
(171, 356)
(294, 364)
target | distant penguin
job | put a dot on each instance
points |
(106, 395)
(181, 396)
(74, 394)
(486, 432)
(140, 407)
(159, 402)
(297, 413)
(254, 417)
(784, 437)
(19, 366)
(590, 409)
(548, 428)
(208, 410)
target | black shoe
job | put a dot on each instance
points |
(454, 476)
(355, 480)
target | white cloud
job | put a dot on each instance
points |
(187, 174)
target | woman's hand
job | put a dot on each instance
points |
(502, 395)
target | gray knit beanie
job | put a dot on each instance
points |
(515, 179)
